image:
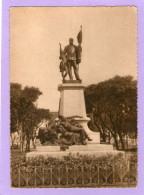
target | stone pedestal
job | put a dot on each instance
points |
(72, 103)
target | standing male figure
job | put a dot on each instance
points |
(71, 51)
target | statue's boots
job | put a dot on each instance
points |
(89, 139)
(84, 142)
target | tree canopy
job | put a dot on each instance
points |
(23, 108)
(112, 106)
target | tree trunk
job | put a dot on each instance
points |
(21, 146)
(121, 140)
(116, 142)
(103, 137)
(22, 139)
(92, 121)
(11, 141)
(102, 133)
(28, 145)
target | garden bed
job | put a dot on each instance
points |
(69, 172)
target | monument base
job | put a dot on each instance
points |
(61, 154)
(95, 150)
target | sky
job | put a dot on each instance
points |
(109, 45)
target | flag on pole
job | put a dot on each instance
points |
(79, 36)
(79, 48)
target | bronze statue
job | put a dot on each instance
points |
(72, 132)
(67, 138)
(65, 132)
(71, 50)
(71, 57)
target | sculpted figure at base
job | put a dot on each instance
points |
(72, 132)
(48, 135)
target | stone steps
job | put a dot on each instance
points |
(91, 147)
(48, 148)
(88, 147)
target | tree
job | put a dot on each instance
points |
(15, 92)
(24, 111)
(112, 105)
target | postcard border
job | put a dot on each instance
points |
(4, 147)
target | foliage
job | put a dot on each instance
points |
(20, 160)
(15, 92)
(44, 113)
(23, 108)
(78, 171)
(112, 107)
